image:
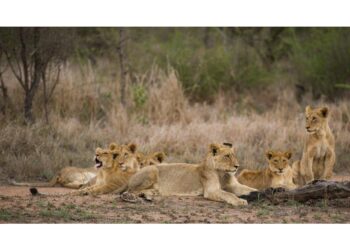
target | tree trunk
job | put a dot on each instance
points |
(4, 94)
(316, 190)
(45, 99)
(123, 64)
(28, 104)
(34, 83)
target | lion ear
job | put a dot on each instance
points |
(269, 154)
(288, 154)
(324, 111)
(159, 156)
(308, 109)
(115, 155)
(132, 147)
(214, 148)
(113, 146)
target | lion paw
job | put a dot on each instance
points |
(129, 197)
(242, 202)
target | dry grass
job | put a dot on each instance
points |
(85, 114)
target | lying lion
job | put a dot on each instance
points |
(278, 173)
(116, 165)
(213, 178)
(69, 177)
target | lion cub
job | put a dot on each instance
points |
(150, 159)
(277, 174)
(318, 157)
(117, 164)
(69, 177)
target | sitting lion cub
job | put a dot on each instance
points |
(213, 178)
(318, 157)
(277, 174)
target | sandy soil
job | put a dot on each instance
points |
(18, 206)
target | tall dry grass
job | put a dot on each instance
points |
(85, 113)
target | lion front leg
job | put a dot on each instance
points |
(328, 165)
(146, 178)
(306, 170)
(94, 190)
(237, 188)
(212, 191)
(221, 195)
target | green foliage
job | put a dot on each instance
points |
(322, 59)
(342, 86)
(208, 60)
(139, 93)
(202, 70)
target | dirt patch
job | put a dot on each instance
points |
(18, 206)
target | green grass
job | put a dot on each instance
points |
(293, 203)
(337, 218)
(6, 215)
(263, 212)
(317, 217)
(67, 213)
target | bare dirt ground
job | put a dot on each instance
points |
(18, 206)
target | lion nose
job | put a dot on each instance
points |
(236, 166)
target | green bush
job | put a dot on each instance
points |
(322, 60)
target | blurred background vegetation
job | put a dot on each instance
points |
(65, 91)
(207, 61)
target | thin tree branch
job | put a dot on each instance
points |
(20, 80)
(55, 82)
(24, 59)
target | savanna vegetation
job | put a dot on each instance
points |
(65, 91)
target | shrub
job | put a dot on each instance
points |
(322, 60)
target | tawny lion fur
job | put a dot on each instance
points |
(278, 173)
(150, 159)
(213, 178)
(318, 157)
(69, 177)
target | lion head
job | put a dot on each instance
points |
(222, 157)
(128, 158)
(106, 157)
(278, 161)
(316, 118)
(150, 159)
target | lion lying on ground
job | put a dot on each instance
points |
(318, 157)
(213, 178)
(69, 177)
(278, 174)
(116, 165)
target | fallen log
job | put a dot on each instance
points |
(315, 190)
